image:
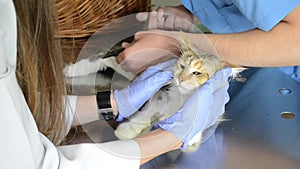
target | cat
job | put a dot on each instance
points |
(192, 69)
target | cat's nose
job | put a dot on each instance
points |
(182, 77)
(181, 80)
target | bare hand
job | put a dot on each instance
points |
(146, 50)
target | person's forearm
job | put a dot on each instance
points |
(258, 48)
(156, 143)
(86, 110)
(278, 47)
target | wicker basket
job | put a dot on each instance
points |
(79, 19)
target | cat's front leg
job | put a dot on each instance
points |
(141, 121)
(194, 143)
(129, 130)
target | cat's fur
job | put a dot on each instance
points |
(191, 70)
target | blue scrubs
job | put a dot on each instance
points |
(233, 16)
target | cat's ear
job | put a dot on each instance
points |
(186, 44)
(235, 69)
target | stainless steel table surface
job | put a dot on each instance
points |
(255, 134)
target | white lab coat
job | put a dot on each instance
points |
(22, 146)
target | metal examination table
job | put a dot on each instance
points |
(257, 135)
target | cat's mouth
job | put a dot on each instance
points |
(177, 83)
(185, 86)
(181, 86)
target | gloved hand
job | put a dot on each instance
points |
(132, 97)
(201, 110)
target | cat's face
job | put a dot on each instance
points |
(194, 67)
(189, 72)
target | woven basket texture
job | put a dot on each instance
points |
(77, 20)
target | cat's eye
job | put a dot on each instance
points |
(182, 66)
(196, 73)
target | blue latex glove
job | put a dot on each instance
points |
(201, 110)
(132, 97)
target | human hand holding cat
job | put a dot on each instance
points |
(156, 46)
(132, 97)
(146, 50)
(201, 110)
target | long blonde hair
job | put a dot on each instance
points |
(40, 66)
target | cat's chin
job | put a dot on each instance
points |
(183, 87)
(185, 90)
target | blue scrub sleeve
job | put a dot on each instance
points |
(292, 71)
(232, 16)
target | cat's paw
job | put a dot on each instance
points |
(128, 130)
(194, 143)
(192, 148)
